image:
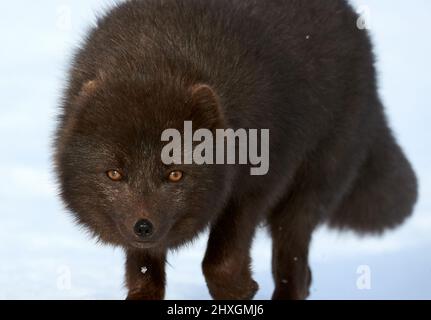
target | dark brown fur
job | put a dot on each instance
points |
(299, 68)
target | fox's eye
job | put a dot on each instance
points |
(175, 176)
(114, 175)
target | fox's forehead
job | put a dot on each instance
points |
(127, 107)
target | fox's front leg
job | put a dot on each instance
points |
(227, 263)
(145, 275)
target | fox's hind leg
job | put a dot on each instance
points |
(291, 226)
(384, 193)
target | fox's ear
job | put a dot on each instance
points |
(89, 87)
(205, 107)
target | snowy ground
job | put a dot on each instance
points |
(45, 256)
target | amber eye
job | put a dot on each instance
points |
(175, 176)
(114, 175)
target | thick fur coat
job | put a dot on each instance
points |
(301, 69)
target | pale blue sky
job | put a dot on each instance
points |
(38, 240)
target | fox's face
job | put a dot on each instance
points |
(110, 169)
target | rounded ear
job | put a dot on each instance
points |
(205, 107)
(88, 87)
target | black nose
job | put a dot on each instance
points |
(143, 228)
